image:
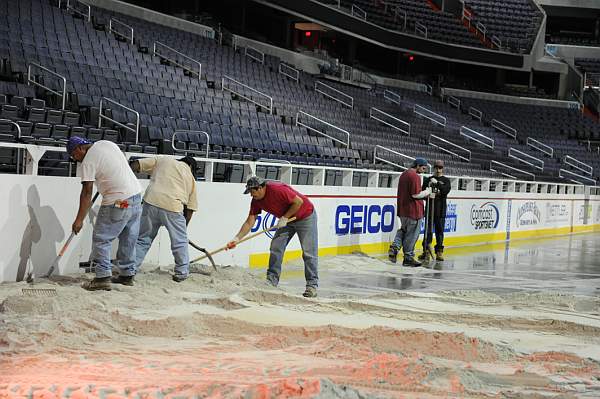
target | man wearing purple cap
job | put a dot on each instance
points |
(103, 163)
(411, 210)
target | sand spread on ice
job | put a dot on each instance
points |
(229, 334)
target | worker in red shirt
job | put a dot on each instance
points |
(284, 202)
(410, 209)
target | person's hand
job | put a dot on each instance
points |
(427, 191)
(77, 225)
(432, 195)
(433, 180)
(233, 243)
(283, 221)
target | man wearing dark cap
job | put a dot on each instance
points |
(440, 187)
(104, 164)
(410, 209)
(284, 202)
(169, 201)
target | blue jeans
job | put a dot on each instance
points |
(406, 236)
(308, 236)
(111, 223)
(152, 219)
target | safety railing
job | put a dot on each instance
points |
(420, 29)
(504, 128)
(467, 15)
(111, 29)
(187, 132)
(401, 15)
(495, 165)
(391, 96)
(254, 54)
(31, 80)
(429, 114)
(429, 90)
(475, 113)
(454, 102)
(288, 71)
(473, 135)
(392, 121)
(378, 158)
(450, 147)
(299, 122)
(574, 177)
(19, 133)
(246, 96)
(72, 6)
(101, 117)
(342, 98)
(196, 70)
(526, 158)
(537, 145)
(358, 12)
(497, 42)
(584, 167)
(481, 29)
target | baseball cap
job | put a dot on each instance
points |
(419, 162)
(438, 163)
(253, 182)
(75, 142)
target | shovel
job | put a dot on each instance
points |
(208, 255)
(251, 236)
(64, 248)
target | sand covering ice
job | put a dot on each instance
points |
(229, 334)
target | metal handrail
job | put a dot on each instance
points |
(419, 110)
(64, 80)
(137, 115)
(155, 53)
(295, 71)
(471, 131)
(454, 102)
(358, 12)
(76, 11)
(271, 161)
(187, 132)
(110, 29)
(468, 159)
(569, 160)
(298, 123)
(14, 124)
(398, 11)
(477, 114)
(406, 130)
(562, 171)
(391, 96)
(504, 128)
(511, 154)
(509, 167)
(269, 107)
(496, 41)
(262, 55)
(546, 149)
(420, 29)
(351, 104)
(481, 28)
(429, 90)
(376, 158)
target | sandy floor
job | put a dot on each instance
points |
(229, 335)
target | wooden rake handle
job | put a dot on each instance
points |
(251, 236)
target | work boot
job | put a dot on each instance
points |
(179, 278)
(125, 280)
(425, 255)
(411, 262)
(393, 255)
(310, 292)
(439, 255)
(97, 284)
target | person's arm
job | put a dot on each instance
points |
(187, 213)
(245, 229)
(135, 166)
(85, 201)
(445, 187)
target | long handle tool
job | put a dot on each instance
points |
(208, 254)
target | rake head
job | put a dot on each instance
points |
(38, 291)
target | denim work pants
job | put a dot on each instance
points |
(111, 223)
(152, 219)
(407, 235)
(308, 236)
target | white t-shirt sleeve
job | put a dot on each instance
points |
(88, 171)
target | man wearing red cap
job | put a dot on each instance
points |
(440, 186)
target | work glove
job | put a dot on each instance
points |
(432, 195)
(283, 221)
(433, 180)
(233, 243)
(427, 192)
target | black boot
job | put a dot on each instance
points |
(125, 280)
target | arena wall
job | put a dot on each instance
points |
(38, 212)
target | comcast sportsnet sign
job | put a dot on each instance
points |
(485, 216)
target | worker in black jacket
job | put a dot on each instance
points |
(440, 187)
